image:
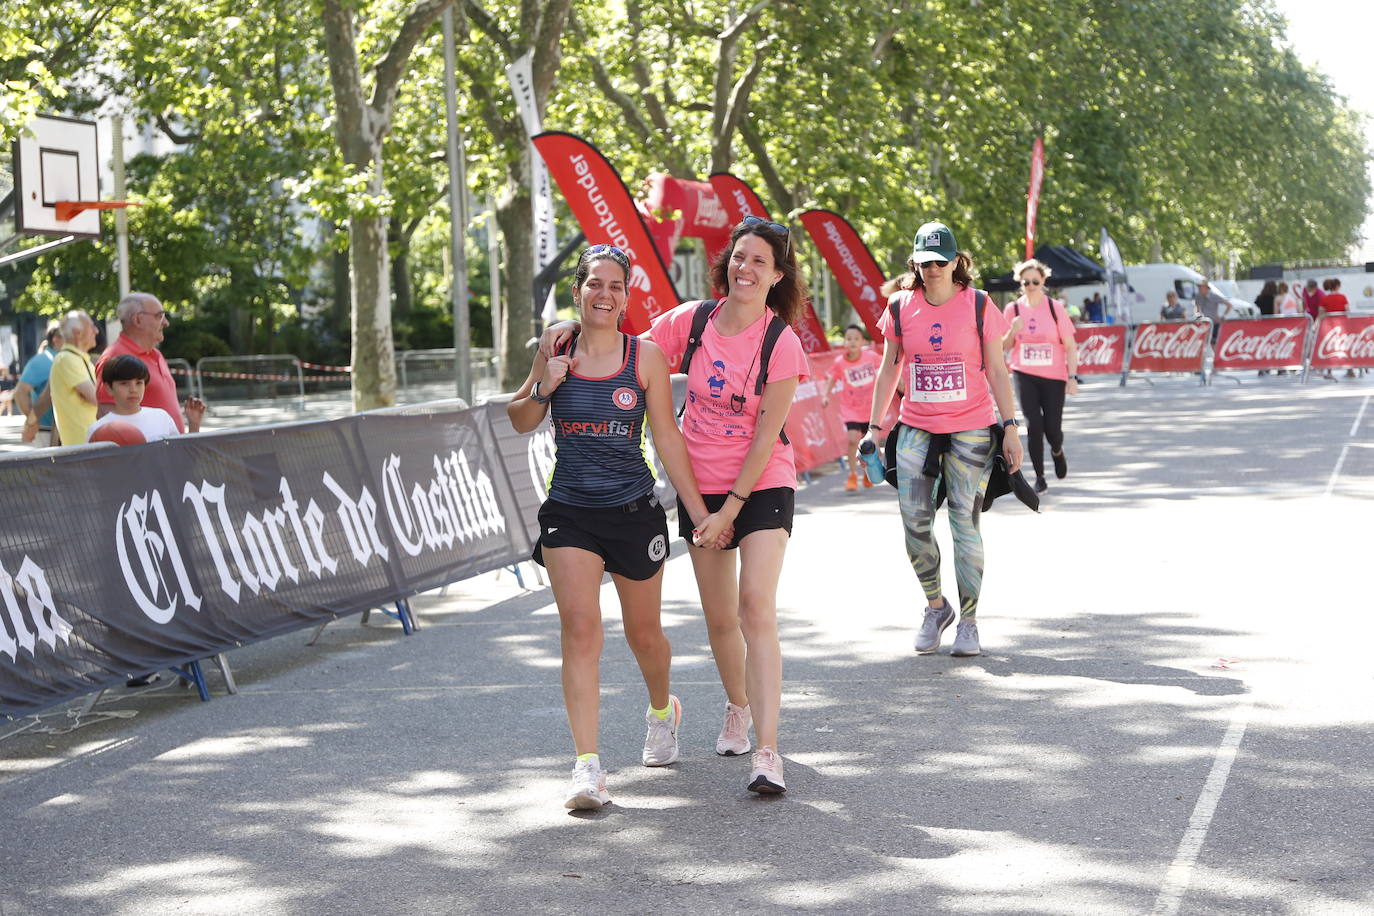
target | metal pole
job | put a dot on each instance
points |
(494, 272)
(121, 217)
(458, 219)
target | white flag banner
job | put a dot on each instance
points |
(1117, 300)
(521, 76)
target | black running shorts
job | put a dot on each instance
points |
(631, 539)
(765, 509)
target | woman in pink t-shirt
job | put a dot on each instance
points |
(1043, 355)
(953, 380)
(746, 471)
(855, 370)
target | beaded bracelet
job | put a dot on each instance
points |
(743, 499)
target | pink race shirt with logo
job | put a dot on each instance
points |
(946, 390)
(717, 427)
(855, 380)
(1039, 347)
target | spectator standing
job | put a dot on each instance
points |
(1173, 309)
(1210, 305)
(144, 321)
(38, 427)
(1289, 303)
(71, 386)
(1312, 298)
(1334, 302)
(1267, 299)
(7, 385)
(1097, 311)
(125, 379)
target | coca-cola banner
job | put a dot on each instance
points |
(1169, 346)
(1262, 343)
(1101, 348)
(851, 262)
(607, 215)
(1344, 342)
(118, 561)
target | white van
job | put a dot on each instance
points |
(1149, 282)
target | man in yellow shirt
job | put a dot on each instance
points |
(72, 381)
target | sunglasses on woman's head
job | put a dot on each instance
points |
(754, 222)
(606, 249)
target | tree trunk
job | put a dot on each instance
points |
(374, 362)
(516, 219)
(403, 300)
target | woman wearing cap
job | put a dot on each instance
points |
(747, 472)
(601, 514)
(854, 372)
(1044, 361)
(953, 380)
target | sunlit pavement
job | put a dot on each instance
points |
(1173, 714)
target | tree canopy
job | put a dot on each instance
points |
(1188, 128)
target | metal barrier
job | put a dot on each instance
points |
(201, 371)
(485, 374)
(192, 378)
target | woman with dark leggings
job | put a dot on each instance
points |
(1043, 355)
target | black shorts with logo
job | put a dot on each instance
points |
(632, 539)
(765, 509)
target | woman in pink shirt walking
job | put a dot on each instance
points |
(746, 470)
(1043, 355)
(854, 372)
(947, 422)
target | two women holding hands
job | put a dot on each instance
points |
(732, 468)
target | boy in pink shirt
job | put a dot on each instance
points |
(855, 370)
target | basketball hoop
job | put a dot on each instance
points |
(68, 209)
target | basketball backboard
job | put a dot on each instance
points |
(56, 161)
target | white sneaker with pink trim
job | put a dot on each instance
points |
(766, 778)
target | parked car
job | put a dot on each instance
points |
(1149, 282)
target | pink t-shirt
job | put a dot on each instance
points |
(946, 389)
(855, 381)
(723, 368)
(1039, 347)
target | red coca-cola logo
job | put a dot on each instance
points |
(1276, 344)
(1183, 341)
(1338, 343)
(1098, 350)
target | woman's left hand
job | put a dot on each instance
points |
(714, 531)
(1072, 386)
(1011, 449)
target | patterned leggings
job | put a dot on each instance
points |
(965, 469)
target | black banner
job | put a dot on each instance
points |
(119, 561)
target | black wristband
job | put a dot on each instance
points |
(1010, 422)
(538, 398)
(743, 499)
(874, 427)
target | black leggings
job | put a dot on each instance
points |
(1042, 406)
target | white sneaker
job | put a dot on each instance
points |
(734, 734)
(660, 742)
(588, 788)
(936, 621)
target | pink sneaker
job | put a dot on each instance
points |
(734, 734)
(766, 778)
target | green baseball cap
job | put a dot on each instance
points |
(934, 242)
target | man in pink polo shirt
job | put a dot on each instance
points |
(143, 321)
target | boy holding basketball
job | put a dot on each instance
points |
(125, 378)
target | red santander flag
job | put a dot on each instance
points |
(852, 264)
(606, 212)
(740, 201)
(1037, 177)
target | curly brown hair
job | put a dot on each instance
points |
(786, 297)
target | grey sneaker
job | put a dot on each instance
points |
(937, 620)
(660, 742)
(966, 640)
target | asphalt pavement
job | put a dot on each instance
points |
(1172, 715)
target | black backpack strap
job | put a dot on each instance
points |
(700, 318)
(980, 301)
(770, 337)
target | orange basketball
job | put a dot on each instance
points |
(120, 432)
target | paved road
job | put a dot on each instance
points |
(1095, 760)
